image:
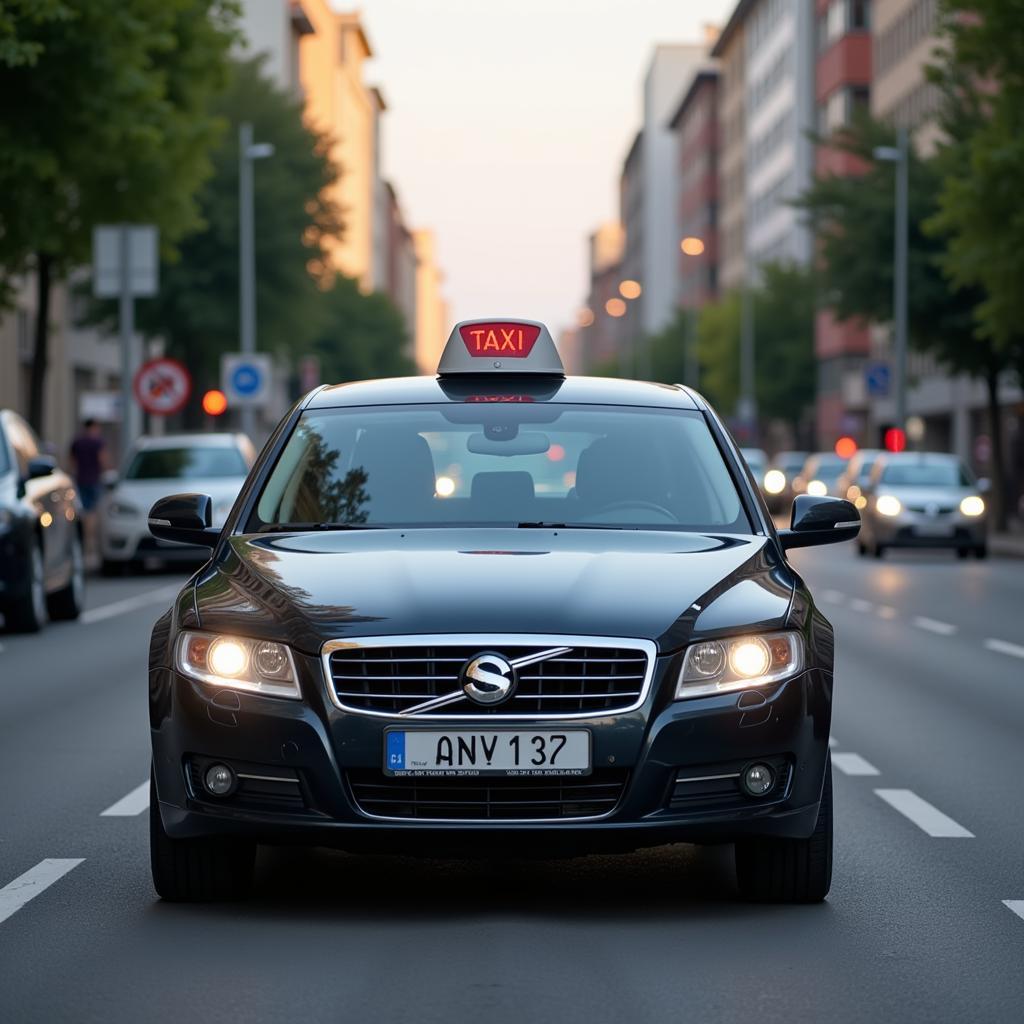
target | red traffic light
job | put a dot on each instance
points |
(895, 440)
(846, 447)
(215, 402)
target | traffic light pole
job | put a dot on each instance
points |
(900, 278)
(126, 316)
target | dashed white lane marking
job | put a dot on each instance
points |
(854, 764)
(16, 894)
(833, 596)
(129, 604)
(886, 611)
(1017, 906)
(926, 817)
(858, 604)
(1005, 647)
(128, 806)
(934, 625)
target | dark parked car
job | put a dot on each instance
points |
(497, 609)
(42, 572)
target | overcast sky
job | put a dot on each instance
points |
(507, 126)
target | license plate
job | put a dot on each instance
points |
(508, 752)
(933, 530)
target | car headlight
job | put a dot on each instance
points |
(774, 481)
(739, 663)
(238, 663)
(817, 488)
(888, 505)
(122, 510)
(972, 506)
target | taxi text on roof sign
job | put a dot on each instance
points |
(500, 346)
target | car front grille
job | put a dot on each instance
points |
(581, 677)
(489, 799)
(930, 509)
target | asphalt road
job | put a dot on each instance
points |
(920, 926)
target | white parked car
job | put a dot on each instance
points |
(213, 464)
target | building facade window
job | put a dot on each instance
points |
(916, 23)
(840, 18)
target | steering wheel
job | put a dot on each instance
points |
(639, 503)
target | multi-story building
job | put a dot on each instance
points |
(696, 124)
(731, 52)
(842, 87)
(598, 336)
(431, 309)
(274, 28)
(627, 330)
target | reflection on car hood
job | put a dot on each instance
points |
(308, 588)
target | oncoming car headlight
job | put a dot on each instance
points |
(739, 663)
(972, 506)
(888, 505)
(238, 663)
(774, 481)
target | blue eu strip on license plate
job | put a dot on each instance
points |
(396, 751)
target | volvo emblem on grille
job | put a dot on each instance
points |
(488, 678)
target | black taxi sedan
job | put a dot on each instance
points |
(500, 609)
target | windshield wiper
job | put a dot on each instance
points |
(543, 525)
(310, 527)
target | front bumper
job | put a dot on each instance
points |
(918, 529)
(324, 749)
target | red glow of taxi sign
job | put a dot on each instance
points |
(507, 340)
(895, 440)
(846, 447)
(214, 402)
(499, 398)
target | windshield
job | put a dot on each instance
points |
(926, 474)
(186, 464)
(828, 470)
(503, 464)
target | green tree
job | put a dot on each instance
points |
(361, 336)
(783, 352)
(196, 310)
(103, 118)
(853, 218)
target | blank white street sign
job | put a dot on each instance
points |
(143, 260)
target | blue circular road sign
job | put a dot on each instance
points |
(246, 379)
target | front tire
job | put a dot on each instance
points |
(981, 551)
(68, 602)
(197, 870)
(30, 614)
(790, 870)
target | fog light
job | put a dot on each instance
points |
(758, 779)
(219, 779)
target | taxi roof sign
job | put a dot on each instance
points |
(500, 346)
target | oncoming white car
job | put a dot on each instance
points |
(214, 464)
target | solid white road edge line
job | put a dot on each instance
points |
(16, 894)
(1004, 647)
(926, 817)
(934, 625)
(128, 806)
(1017, 906)
(129, 604)
(853, 764)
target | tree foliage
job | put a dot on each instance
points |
(783, 311)
(104, 118)
(978, 207)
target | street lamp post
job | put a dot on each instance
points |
(248, 152)
(898, 155)
(748, 399)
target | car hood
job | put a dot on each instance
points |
(309, 588)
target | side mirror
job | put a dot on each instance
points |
(820, 521)
(40, 465)
(184, 519)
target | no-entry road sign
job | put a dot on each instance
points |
(162, 386)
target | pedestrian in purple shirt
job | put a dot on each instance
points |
(89, 455)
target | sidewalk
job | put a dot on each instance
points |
(1006, 545)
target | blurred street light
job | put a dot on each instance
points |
(692, 246)
(615, 307)
(630, 289)
(248, 151)
(585, 317)
(898, 155)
